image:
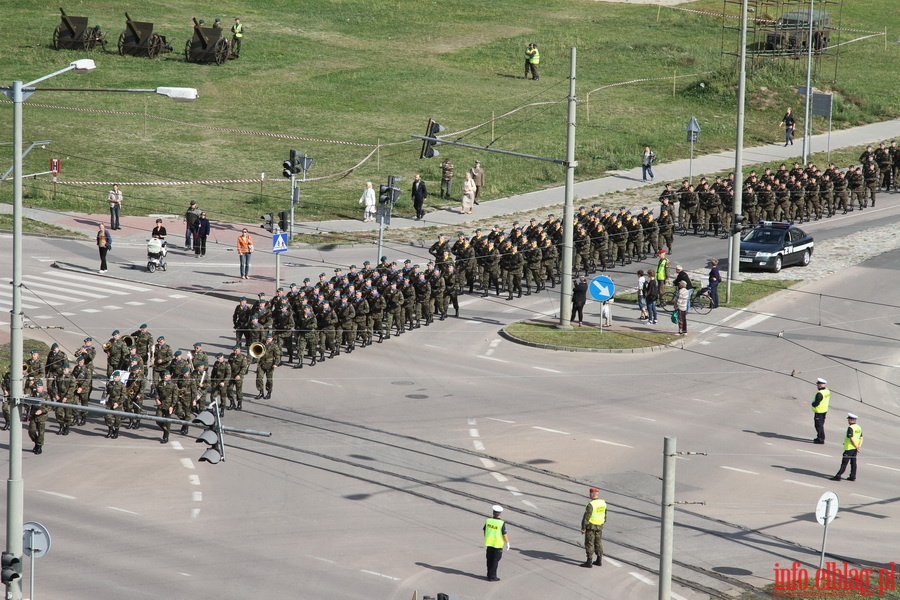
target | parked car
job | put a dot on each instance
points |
(773, 245)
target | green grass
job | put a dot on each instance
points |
(371, 72)
(587, 337)
(28, 346)
(36, 227)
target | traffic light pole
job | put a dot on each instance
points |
(734, 248)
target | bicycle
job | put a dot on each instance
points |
(700, 301)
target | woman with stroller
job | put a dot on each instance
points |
(159, 232)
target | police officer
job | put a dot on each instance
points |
(853, 440)
(495, 537)
(592, 528)
(820, 409)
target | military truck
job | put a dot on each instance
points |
(791, 32)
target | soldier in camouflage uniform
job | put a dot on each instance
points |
(345, 333)
(53, 367)
(115, 354)
(162, 358)
(186, 397)
(533, 271)
(133, 399)
(377, 306)
(265, 368)
(438, 294)
(220, 378)
(240, 365)
(201, 377)
(115, 396)
(166, 395)
(89, 352)
(422, 291)
(307, 338)
(64, 391)
(666, 226)
(37, 421)
(361, 320)
(83, 385)
(326, 319)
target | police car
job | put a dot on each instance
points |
(773, 245)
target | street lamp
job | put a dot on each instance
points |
(18, 93)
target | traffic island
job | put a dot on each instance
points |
(618, 339)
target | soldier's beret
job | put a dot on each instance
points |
(243, 298)
(54, 346)
(197, 344)
(254, 316)
(365, 262)
(353, 266)
(306, 280)
(161, 338)
(132, 347)
(88, 339)
(185, 370)
(166, 372)
(143, 326)
(322, 275)
(384, 258)
(39, 382)
(516, 222)
(478, 230)
(135, 367)
(415, 266)
(407, 261)
(177, 353)
(260, 295)
(80, 358)
(269, 335)
(35, 351)
(65, 365)
(338, 270)
(621, 208)
(116, 332)
(220, 355)
(281, 289)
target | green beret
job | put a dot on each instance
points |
(116, 332)
(161, 338)
(178, 353)
(54, 346)
(198, 344)
(143, 326)
(185, 370)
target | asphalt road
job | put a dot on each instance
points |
(384, 463)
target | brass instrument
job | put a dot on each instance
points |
(129, 340)
(257, 350)
(80, 351)
(107, 345)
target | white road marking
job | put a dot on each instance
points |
(551, 430)
(319, 558)
(29, 298)
(471, 322)
(501, 420)
(677, 596)
(197, 496)
(724, 335)
(380, 575)
(432, 346)
(802, 483)
(194, 479)
(705, 342)
(882, 467)
(112, 307)
(641, 578)
(95, 281)
(134, 303)
(736, 470)
(38, 284)
(43, 317)
(611, 443)
(646, 419)
(488, 464)
(177, 296)
(58, 495)
(546, 369)
(478, 445)
(811, 452)
(194, 513)
(90, 310)
(471, 421)
(186, 463)
(733, 315)
(499, 477)
(529, 503)
(868, 497)
(495, 343)
(156, 299)
(707, 330)
(93, 287)
(468, 302)
(66, 314)
(612, 561)
(176, 445)
(473, 433)
(185, 574)
(513, 309)
(754, 320)
(488, 352)
(494, 359)
(321, 382)
(130, 512)
(514, 491)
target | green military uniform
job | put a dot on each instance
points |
(394, 298)
(64, 391)
(220, 378)
(133, 400)
(37, 420)
(162, 359)
(186, 397)
(201, 377)
(346, 332)
(307, 339)
(326, 319)
(361, 320)
(422, 291)
(166, 393)
(115, 400)
(240, 365)
(265, 368)
(83, 386)
(592, 527)
(116, 354)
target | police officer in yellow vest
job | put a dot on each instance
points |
(494, 539)
(852, 443)
(532, 60)
(820, 409)
(237, 35)
(592, 528)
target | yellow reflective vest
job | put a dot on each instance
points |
(856, 438)
(823, 405)
(493, 533)
(598, 514)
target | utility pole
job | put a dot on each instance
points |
(734, 254)
(667, 519)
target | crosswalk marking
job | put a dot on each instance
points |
(134, 303)
(24, 305)
(32, 283)
(40, 295)
(98, 282)
(69, 285)
(28, 296)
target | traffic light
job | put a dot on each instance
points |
(211, 436)
(737, 224)
(292, 165)
(284, 220)
(11, 569)
(268, 224)
(384, 194)
(395, 194)
(432, 130)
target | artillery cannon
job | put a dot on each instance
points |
(73, 33)
(139, 39)
(207, 45)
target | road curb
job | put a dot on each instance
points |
(516, 340)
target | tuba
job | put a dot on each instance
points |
(257, 350)
(129, 340)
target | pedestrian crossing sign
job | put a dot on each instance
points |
(279, 242)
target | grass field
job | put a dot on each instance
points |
(587, 337)
(349, 80)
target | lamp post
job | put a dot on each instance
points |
(18, 93)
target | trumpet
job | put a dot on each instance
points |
(129, 340)
(107, 345)
(80, 351)
(257, 350)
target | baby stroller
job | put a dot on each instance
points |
(156, 254)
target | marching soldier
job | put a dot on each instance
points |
(199, 357)
(491, 266)
(438, 295)
(240, 365)
(116, 353)
(89, 352)
(220, 378)
(64, 391)
(265, 368)
(533, 259)
(37, 421)
(307, 340)
(83, 384)
(33, 366)
(143, 341)
(201, 377)
(326, 319)
(186, 397)
(284, 330)
(133, 398)
(53, 367)
(361, 320)
(162, 358)
(166, 393)
(240, 320)
(346, 331)
(422, 290)
(375, 324)
(115, 393)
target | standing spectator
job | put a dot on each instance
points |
(114, 197)
(200, 232)
(788, 122)
(419, 194)
(159, 232)
(368, 198)
(715, 278)
(682, 299)
(682, 276)
(820, 409)
(651, 295)
(642, 300)
(190, 217)
(245, 249)
(579, 298)
(852, 445)
(478, 177)
(592, 527)
(532, 60)
(647, 163)
(104, 243)
(495, 537)
(237, 34)
(446, 178)
(468, 197)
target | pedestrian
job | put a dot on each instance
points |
(820, 409)
(114, 197)
(446, 178)
(592, 527)
(495, 537)
(715, 278)
(662, 276)
(200, 233)
(647, 163)
(368, 198)
(237, 34)
(642, 300)
(478, 177)
(681, 275)
(159, 231)
(853, 440)
(104, 243)
(245, 249)
(419, 195)
(532, 60)
(190, 217)
(468, 198)
(579, 298)
(788, 122)
(651, 295)
(682, 299)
